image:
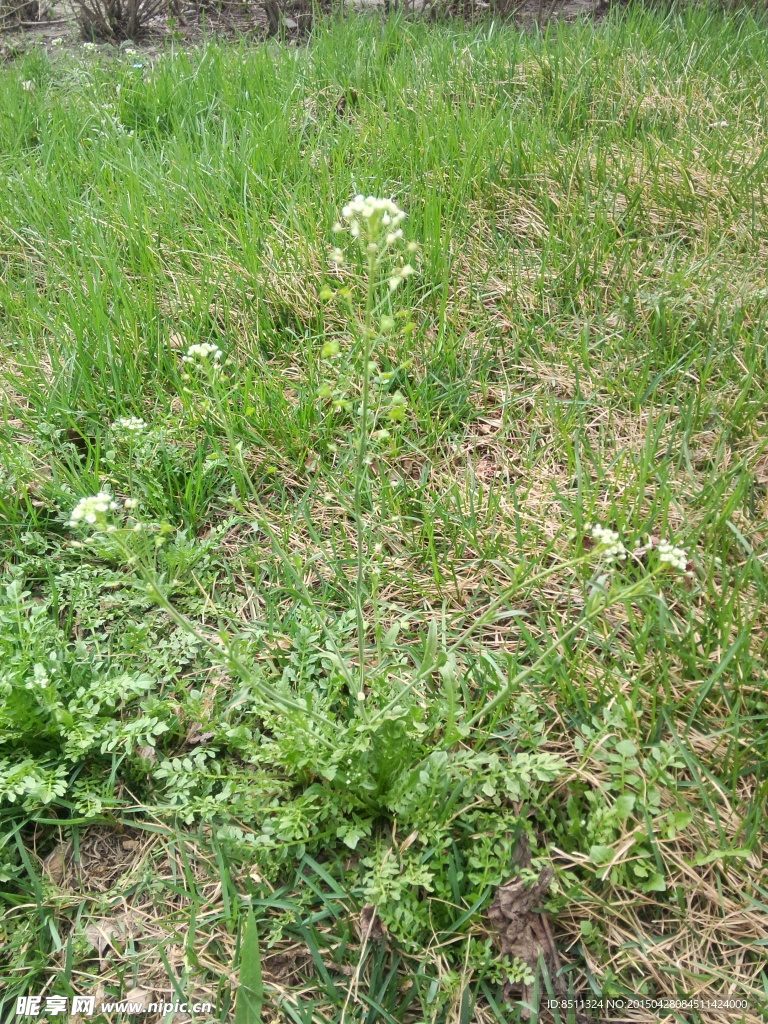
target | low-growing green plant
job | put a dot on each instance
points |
(339, 625)
(344, 747)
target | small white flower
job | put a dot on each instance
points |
(607, 542)
(201, 353)
(92, 510)
(374, 214)
(131, 503)
(674, 556)
(337, 257)
(129, 424)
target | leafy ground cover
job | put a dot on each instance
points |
(343, 634)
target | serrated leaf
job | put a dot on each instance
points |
(250, 992)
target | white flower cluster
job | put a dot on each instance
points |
(676, 557)
(201, 353)
(376, 224)
(375, 214)
(608, 542)
(129, 424)
(92, 510)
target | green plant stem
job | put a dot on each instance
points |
(425, 670)
(487, 615)
(626, 594)
(277, 547)
(361, 472)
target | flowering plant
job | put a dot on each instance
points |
(373, 228)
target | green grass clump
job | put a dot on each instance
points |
(349, 636)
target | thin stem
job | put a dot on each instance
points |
(361, 471)
(488, 615)
(277, 547)
(424, 671)
(504, 692)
